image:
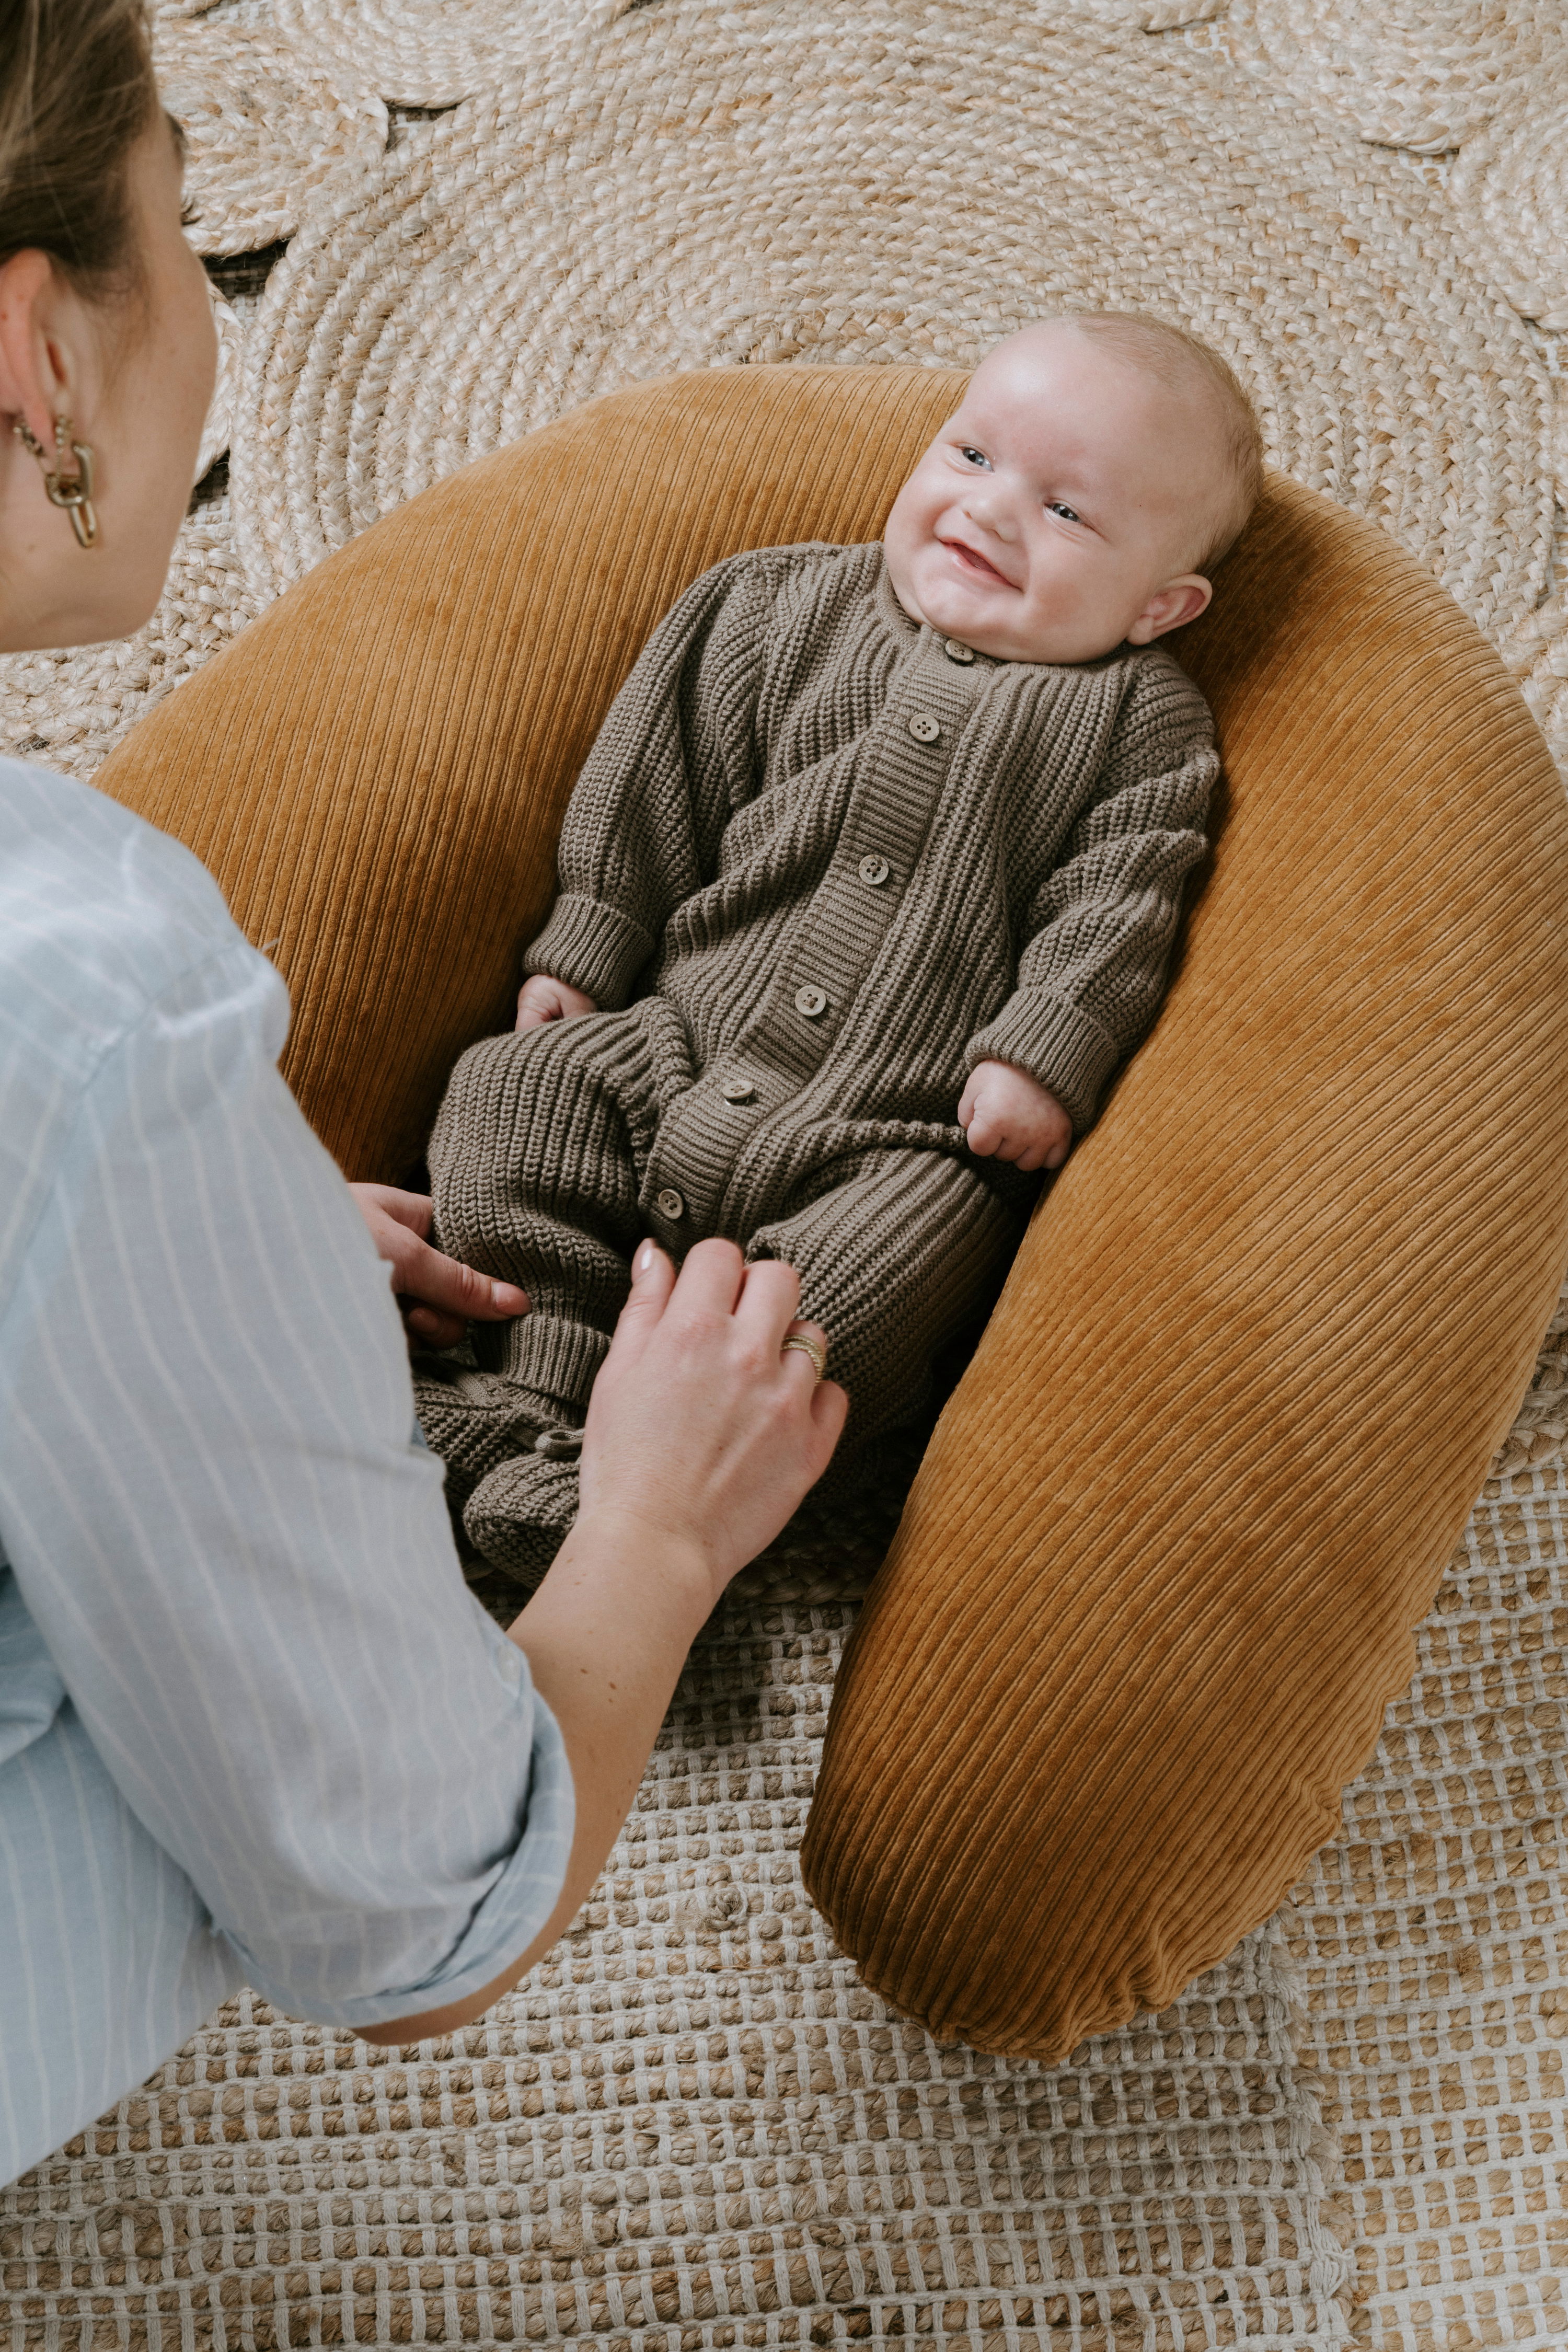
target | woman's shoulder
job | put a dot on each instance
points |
(99, 914)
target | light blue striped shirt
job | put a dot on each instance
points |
(252, 1724)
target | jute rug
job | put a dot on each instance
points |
(694, 2127)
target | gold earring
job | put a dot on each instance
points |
(72, 491)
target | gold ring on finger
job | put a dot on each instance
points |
(805, 1347)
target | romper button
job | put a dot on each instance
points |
(811, 1002)
(670, 1203)
(559, 1445)
(875, 870)
(957, 651)
(924, 728)
(738, 1090)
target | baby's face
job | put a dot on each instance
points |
(1054, 515)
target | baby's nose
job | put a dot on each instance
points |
(985, 506)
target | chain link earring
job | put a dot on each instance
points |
(72, 491)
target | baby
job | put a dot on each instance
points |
(868, 885)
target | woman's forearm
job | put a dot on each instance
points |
(702, 1435)
(605, 1637)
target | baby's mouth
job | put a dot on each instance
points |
(970, 560)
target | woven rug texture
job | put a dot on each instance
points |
(432, 224)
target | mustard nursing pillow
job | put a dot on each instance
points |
(1160, 1570)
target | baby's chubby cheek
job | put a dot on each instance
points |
(901, 541)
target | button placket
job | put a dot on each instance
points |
(893, 804)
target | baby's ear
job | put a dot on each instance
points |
(1169, 607)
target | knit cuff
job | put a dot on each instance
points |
(592, 947)
(1066, 1048)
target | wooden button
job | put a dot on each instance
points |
(924, 728)
(559, 1445)
(670, 1203)
(811, 1002)
(874, 870)
(738, 1090)
(957, 651)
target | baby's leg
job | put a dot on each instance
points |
(534, 1170)
(894, 1261)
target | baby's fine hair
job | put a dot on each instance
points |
(1184, 364)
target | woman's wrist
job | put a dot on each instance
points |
(619, 1556)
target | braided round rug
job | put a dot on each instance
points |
(1512, 181)
(703, 185)
(265, 122)
(430, 53)
(1422, 74)
(692, 2127)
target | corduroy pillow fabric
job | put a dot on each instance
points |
(1159, 1573)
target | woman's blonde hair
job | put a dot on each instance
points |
(77, 90)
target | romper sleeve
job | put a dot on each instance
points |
(669, 767)
(225, 1528)
(1091, 974)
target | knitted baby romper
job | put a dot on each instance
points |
(848, 859)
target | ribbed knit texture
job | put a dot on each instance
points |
(799, 789)
(1158, 1575)
(850, 858)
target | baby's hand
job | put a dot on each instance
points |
(541, 999)
(1007, 1113)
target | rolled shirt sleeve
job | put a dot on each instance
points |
(211, 1494)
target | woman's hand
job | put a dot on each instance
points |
(700, 1429)
(541, 999)
(438, 1297)
(702, 1436)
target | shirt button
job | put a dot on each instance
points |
(874, 870)
(924, 728)
(738, 1090)
(957, 651)
(670, 1203)
(811, 1002)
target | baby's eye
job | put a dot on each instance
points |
(1067, 514)
(975, 456)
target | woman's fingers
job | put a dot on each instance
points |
(653, 1280)
(433, 1279)
(445, 1295)
(769, 1302)
(700, 1426)
(712, 1277)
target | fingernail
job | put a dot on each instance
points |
(643, 1260)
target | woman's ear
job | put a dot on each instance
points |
(42, 370)
(1169, 607)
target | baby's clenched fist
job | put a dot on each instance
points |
(541, 999)
(1008, 1114)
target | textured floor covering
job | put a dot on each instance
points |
(694, 2129)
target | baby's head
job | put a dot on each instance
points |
(1096, 467)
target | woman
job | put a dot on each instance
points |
(251, 1724)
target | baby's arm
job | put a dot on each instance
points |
(1008, 1114)
(541, 999)
(648, 810)
(1097, 939)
